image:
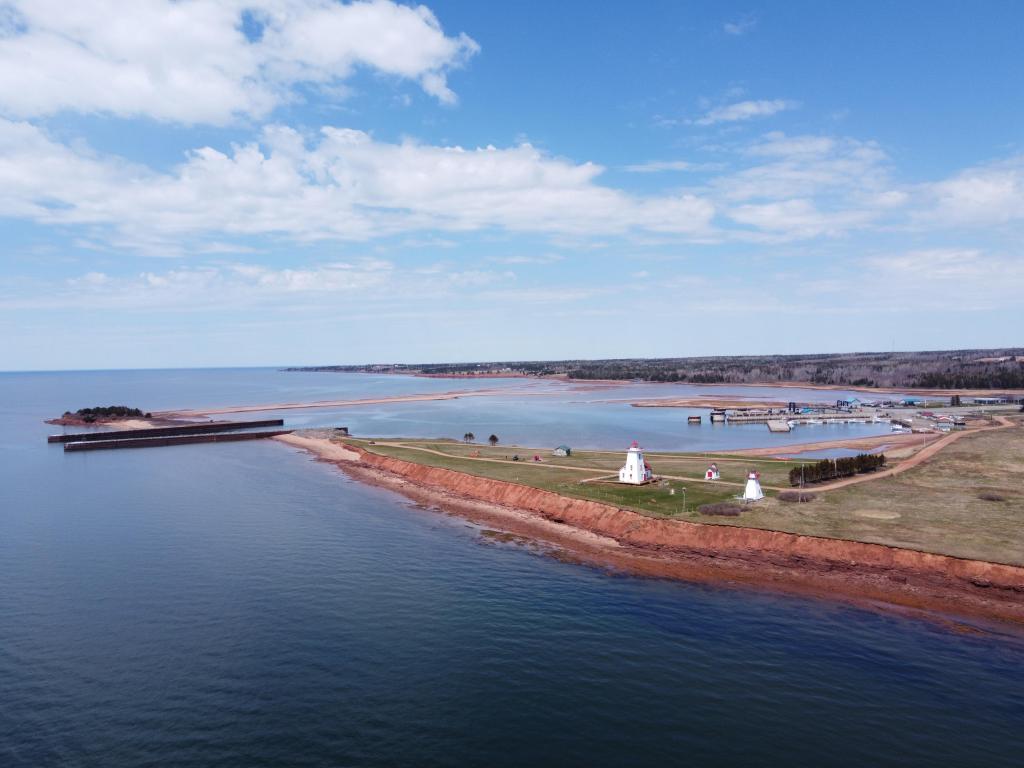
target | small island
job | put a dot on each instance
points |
(98, 415)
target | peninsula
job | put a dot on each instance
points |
(937, 529)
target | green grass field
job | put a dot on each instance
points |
(670, 497)
(966, 501)
(774, 472)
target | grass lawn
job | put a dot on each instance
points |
(566, 478)
(733, 469)
(935, 507)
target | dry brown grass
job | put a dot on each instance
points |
(941, 506)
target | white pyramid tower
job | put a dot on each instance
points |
(753, 490)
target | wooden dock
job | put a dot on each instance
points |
(159, 442)
(199, 428)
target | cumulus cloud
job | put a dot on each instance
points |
(338, 184)
(988, 194)
(342, 184)
(209, 62)
(745, 110)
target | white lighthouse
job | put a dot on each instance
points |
(636, 470)
(753, 490)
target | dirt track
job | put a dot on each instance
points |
(921, 456)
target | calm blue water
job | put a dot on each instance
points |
(533, 413)
(241, 605)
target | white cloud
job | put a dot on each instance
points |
(944, 278)
(797, 219)
(341, 185)
(800, 166)
(658, 166)
(740, 26)
(238, 285)
(550, 258)
(988, 194)
(191, 62)
(745, 110)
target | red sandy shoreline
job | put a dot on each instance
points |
(606, 535)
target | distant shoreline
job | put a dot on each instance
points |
(923, 391)
(583, 384)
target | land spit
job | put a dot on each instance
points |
(605, 535)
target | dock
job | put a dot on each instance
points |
(199, 428)
(778, 425)
(159, 442)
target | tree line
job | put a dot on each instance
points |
(833, 469)
(106, 412)
(949, 369)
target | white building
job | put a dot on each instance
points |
(712, 473)
(636, 470)
(753, 490)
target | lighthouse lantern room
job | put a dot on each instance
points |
(636, 470)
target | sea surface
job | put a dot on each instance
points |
(242, 605)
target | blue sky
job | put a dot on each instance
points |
(257, 182)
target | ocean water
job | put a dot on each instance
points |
(243, 605)
(533, 413)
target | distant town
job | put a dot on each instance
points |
(965, 369)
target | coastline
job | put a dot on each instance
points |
(607, 536)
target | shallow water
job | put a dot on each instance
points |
(534, 413)
(242, 605)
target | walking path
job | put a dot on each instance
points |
(925, 453)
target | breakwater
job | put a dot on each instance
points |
(181, 429)
(157, 442)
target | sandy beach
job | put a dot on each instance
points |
(610, 537)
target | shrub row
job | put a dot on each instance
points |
(831, 469)
(721, 509)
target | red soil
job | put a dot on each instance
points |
(604, 534)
